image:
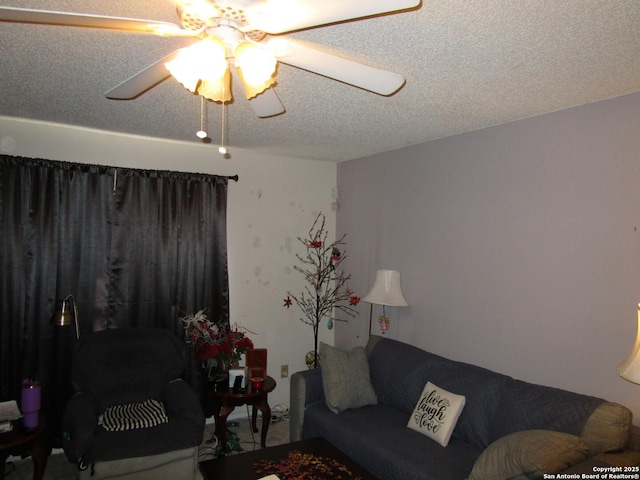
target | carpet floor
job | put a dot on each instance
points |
(240, 439)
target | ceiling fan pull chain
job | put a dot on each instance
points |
(222, 149)
(202, 133)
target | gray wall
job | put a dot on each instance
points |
(518, 245)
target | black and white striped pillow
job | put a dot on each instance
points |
(134, 415)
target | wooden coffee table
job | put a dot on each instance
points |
(241, 466)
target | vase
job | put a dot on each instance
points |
(217, 373)
(312, 359)
(215, 367)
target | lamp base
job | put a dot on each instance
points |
(383, 320)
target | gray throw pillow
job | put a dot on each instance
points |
(345, 378)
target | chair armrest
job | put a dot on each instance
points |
(180, 401)
(79, 422)
(305, 389)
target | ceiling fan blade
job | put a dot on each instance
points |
(265, 104)
(357, 74)
(49, 17)
(279, 16)
(142, 81)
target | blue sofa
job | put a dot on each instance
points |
(497, 406)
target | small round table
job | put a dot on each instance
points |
(225, 401)
(20, 441)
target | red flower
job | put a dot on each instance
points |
(287, 302)
(354, 300)
(215, 340)
(315, 244)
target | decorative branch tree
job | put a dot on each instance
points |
(326, 290)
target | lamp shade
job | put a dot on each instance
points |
(217, 90)
(256, 67)
(258, 64)
(202, 61)
(630, 368)
(66, 314)
(386, 290)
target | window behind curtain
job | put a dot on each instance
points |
(136, 248)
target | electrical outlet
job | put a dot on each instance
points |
(284, 371)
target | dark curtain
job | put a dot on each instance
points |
(134, 247)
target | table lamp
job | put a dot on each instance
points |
(386, 291)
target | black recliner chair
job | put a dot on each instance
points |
(125, 367)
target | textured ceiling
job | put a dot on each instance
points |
(469, 64)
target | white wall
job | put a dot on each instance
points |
(518, 245)
(274, 202)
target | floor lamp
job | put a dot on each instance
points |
(386, 291)
(64, 315)
(630, 368)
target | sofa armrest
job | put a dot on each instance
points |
(305, 389)
(79, 422)
(630, 456)
(634, 438)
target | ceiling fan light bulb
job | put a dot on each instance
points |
(257, 64)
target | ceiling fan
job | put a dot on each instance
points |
(256, 23)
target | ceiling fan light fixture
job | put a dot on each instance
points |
(189, 68)
(212, 58)
(257, 65)
(217, 90)
(251, 90)
(180, 68)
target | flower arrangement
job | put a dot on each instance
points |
(326, 287)
(213, 340)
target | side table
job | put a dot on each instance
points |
(24, 443)
(225, 401)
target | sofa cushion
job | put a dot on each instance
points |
(529, 454)
(480, 386)
(607, 429)
(377, 438)
(397, 373)
(436, 413)
(176, 434)
(345, 378)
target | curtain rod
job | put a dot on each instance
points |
(233, 177)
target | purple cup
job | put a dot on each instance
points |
(30, 403)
